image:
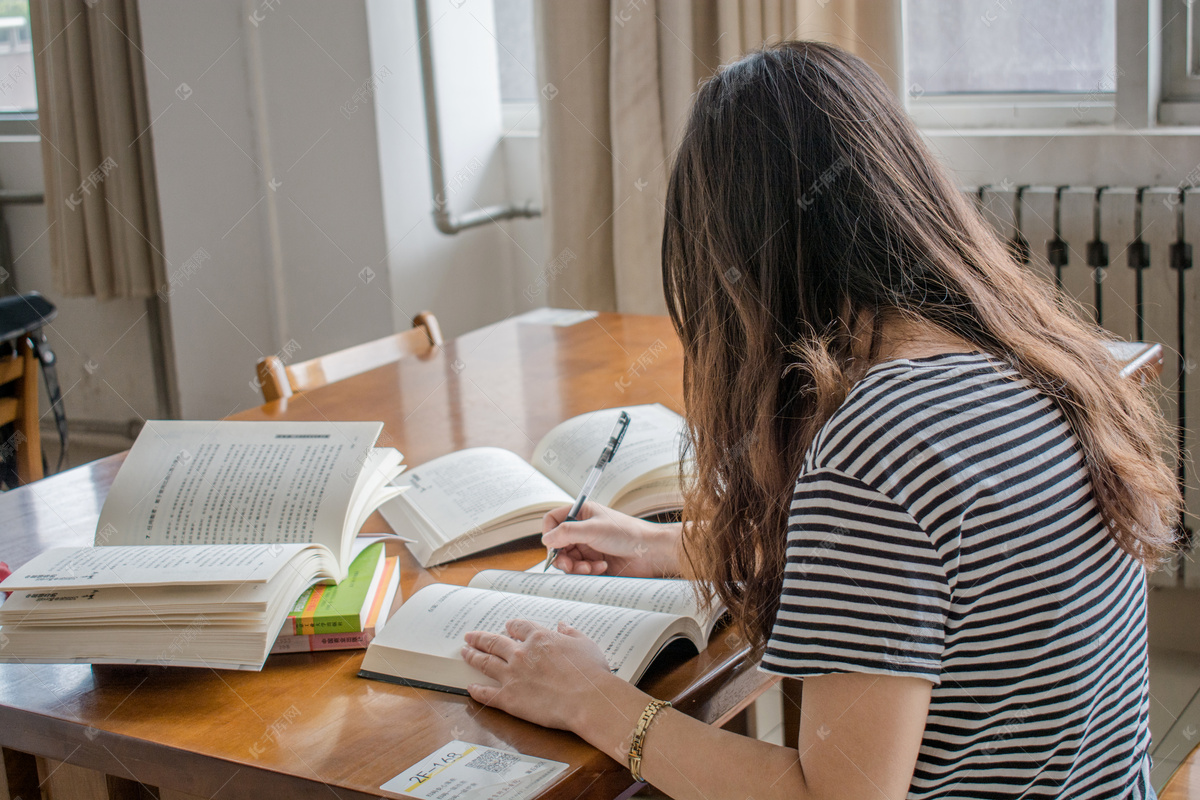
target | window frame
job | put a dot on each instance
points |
(1180, 102)
(1140, 101)
(1013, 110)
(23, 123)
(19, 124)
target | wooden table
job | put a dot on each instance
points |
(1185, 783)
(307, 726)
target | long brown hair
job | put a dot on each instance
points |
(802, 208)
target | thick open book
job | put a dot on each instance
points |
(210, 532)
(468, 501)
(632, 619)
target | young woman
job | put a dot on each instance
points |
(921, 485)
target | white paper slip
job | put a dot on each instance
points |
(560, 317)
(464, 771)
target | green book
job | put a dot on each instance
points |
(341, 608)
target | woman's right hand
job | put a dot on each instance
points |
(606, 542)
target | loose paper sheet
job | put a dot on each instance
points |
(464, 771)
(559, 317)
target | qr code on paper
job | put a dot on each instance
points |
(493, 761)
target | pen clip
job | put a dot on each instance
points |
(623, 424)
(614, 441)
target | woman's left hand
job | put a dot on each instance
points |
(547, 677)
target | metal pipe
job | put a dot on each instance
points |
(446, 222)
(14, 197)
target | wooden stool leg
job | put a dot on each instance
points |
(29, 446)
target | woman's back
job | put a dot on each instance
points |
(944, 527)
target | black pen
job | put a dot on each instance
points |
(593, 477)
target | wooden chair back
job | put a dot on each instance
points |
(19, 405)
(279, 380)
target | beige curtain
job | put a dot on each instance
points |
(617, 80)
(105, 234)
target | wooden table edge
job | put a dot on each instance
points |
(110, 753)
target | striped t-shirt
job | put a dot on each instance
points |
(943, 526)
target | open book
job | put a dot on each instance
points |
(468, 501)
(632, 619)
(210, 532)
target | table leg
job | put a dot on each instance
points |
(62, 781)
(744, 722)
(18, 775)
(58, 780)
(790, 688)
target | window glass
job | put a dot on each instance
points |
(515, 51)
(18, 92)
(1010, 46)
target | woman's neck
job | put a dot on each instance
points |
(904, 338)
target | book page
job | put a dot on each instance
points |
(434, 620)
(569, 451)
(236, 483)
(649, 594)
(470, 488)
(84, 602)
(152, 565)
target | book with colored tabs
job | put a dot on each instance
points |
(343, 616)
(210, 532)
(465, 502)
(631, 619)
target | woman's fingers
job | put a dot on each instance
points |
(520, 629)
(570, 562)
(483, 694)
(566, 535)
(583, 552)
(486, 663)
(596, 526)
(493, 644)
(555, 517)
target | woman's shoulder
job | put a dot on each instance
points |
(909, 406)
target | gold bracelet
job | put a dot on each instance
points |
(639, 736)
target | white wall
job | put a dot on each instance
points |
(343, 249)
(262, 167)
(479, 275)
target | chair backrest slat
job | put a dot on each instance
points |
(278, 380)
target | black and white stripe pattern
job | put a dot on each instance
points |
(944, 527)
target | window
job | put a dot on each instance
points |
(517, 57)
(1181, 62)
(1010, 62)
(18, 92)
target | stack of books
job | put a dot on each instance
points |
(345, 616)
(210, 532)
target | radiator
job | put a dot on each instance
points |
(1124, 255)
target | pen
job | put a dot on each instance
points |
(610, 450)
